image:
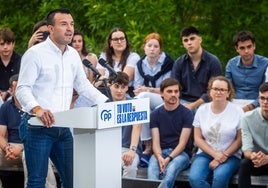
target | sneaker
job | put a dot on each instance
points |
(144, 161)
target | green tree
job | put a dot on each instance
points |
(218, 21)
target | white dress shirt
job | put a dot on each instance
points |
(47, 78)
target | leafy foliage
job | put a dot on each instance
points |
(218, 21)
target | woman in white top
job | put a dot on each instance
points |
(217, 134)
(117, 53)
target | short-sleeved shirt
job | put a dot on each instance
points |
(170, 125)
(194, 82)
(10, 117)
(7, 71)
(219, 130)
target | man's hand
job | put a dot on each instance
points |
(128, 157)
(259, 159)
(162, 164)
(13, 151)
(46, 117)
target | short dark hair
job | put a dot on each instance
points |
(188, 31)
(122, 78)
(242, 36)
(38, 25)
(13, 78)
(263, 87)
(169, 82)
(51, 15)
(7, 35)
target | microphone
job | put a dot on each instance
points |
(89, 65)
(112, 73)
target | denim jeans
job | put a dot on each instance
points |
(246, 170)
(178, 164)
(40, 144)
(201, 174)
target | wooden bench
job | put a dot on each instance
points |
(184, 176)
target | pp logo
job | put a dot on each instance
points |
(106, 115)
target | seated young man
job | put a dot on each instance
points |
(254, 127)
(130, 134)
(171, 126)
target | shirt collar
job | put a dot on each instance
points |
(259, 112)
(203, 56)
(254, 64)
(54, 47)
(160, 60)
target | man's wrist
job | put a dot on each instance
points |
(133, 148)
(5, 147)
(36, 109)
(158, 155)
(170, 158)
(250, 107)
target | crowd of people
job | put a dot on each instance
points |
(213, 124)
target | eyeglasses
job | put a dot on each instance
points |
(122, 39)
(264, 99)
(221, 90)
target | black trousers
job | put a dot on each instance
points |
(246, 170)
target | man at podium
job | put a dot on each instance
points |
(49, 72)
(130, 134)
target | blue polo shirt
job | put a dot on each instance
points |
(195, 82)
(10, 116)
(247, 79)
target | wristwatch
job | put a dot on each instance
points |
(170, 158)
(134, 148)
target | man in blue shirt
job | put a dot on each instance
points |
(247, 70)
(194, 69)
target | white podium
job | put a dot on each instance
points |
(97, 139)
